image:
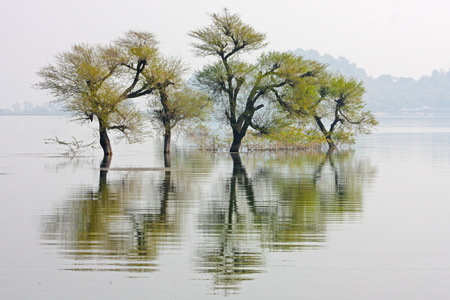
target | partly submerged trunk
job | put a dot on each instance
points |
(104, 165)
(238, 168)
(237, 140)
(326, 134)
(331, 144)
(330, 152)
(104, 140)
(167, 163)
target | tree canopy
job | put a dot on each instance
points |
(241, 88)
(333, 105)
(226, 37)
(272, 93)
(96, 82)
(173, 104)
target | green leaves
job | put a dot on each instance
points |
(268, 95)
(334, 100)
(246, 93)
(96, 81)
(178, 106)
(138, 44)
(226, 36)
(163, 71)
(173, 104)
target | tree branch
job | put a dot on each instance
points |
(351, 122)
(139, 68)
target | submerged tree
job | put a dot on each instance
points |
(334, 105)
(241, 88)
(97, 82)
(173, 104)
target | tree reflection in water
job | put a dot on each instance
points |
(232, 254)
(118, 226)
(287, 204)
(265, 202)
(316, 190)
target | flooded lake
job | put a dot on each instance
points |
(370, 223)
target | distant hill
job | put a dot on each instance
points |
(340, 64)
(28, 108)
(388, 94)
(384, 94)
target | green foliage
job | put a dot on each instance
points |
(232, 83)
(213, 78)
(334, 104)
(137, 46)
(173, 103)
(98, 81)
(226, 36)
(287, 138)
(344, 104)
(179, 107)
(284, 100)
(242, 91)
(129, 121)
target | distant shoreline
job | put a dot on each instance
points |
(404, 114)
(36, 114)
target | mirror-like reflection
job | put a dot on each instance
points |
(231, 251)
(120, 225)
(235, 208)
(285, 204)
(315, 191)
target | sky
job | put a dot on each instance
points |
(403, 38)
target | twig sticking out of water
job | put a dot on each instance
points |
(72, 148)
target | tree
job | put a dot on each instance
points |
(336, 102)
(97, 82)
(238, 87)
(173, 103)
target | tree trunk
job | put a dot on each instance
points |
(326, 133)
(237, 140)
(104, 165)
(167, 135)
(331, 144)
(104, 140)
(167, 162)
(330, 152)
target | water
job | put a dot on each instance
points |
(371, 223)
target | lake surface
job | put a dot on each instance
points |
(371, 223)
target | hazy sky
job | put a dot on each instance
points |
(404, 38)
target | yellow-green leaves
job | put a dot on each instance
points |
(94, 82)
(226, 36)
(138, 44)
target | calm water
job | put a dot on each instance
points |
(372, 223)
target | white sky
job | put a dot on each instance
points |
(404, 38)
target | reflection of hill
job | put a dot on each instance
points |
(286, 202)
